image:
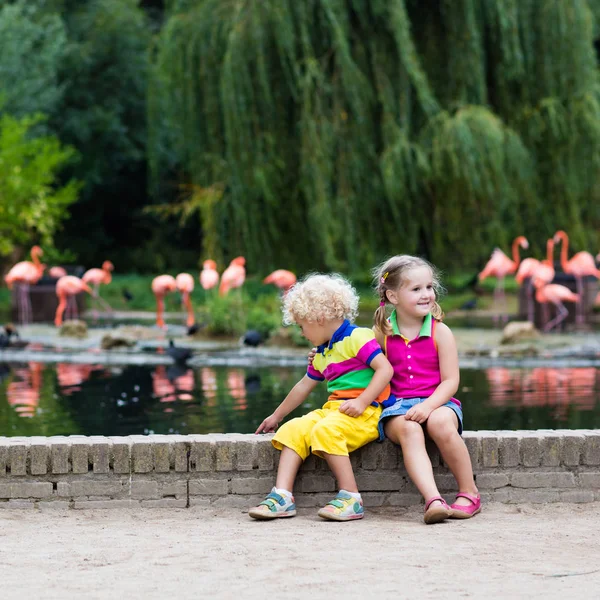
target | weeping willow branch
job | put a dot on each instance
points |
(344, 130)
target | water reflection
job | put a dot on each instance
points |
(23, 392)
(67, 399)
(563, 389)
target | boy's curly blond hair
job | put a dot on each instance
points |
(320, 297)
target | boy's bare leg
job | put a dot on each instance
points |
(289, 463)
(341, 467)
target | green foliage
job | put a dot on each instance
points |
(32, 46)
(226, 315)
(341, 131)
(33, 205)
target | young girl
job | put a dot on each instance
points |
(358, 377)
(422, 352)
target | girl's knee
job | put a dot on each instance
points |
(442, 423)
(400, 430)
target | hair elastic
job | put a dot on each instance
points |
(382, 303)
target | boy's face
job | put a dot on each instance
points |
(314, 331)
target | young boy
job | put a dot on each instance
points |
(357, 375)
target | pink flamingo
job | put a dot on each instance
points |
(97, 277)
(282, 279)
(500, 266)
(580, 265)
(161, 285)
(24, 274)
(57, 272)
(532, 268)
(556, 294)
(209, 277)
(66, 287)
(233, 276)
(185, 286)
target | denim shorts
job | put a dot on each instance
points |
(403, 405)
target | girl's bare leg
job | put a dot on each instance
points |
(411, 438)
(442, 427)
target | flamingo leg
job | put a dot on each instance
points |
(60, 309)
(579, 306)
(562, 313)
(186, 301)
(530, 305)
(159, 311)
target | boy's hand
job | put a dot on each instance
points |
(311, 355)
(419, 413)
(353, 407)
(269, 425)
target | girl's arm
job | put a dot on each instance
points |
(383, 373)
(449, 373)
(293, 400)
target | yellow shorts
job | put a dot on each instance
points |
(327, 430)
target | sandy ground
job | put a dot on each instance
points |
(526, 551)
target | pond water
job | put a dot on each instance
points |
(68, 399)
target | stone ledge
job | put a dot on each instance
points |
(186, 470)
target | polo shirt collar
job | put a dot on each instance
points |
(339, 334)
(425, 328)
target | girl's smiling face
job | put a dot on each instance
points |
(416, 295)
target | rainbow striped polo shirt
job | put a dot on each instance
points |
(344, 362)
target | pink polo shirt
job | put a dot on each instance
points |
(415, 362)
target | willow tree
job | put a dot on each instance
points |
(344, 130)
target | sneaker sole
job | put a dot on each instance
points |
(332, 517)
(263, 516)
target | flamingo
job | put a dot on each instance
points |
(532, 268)
(282, 279)
(500, 266)
(97, 277)
(57, 272)
(209, 277)
(66, 287)
(579, 265)
(161, 285)
(556, 294)
(233, 276)
(185, 286)
(24, 274)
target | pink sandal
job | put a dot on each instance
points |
(458, 511)
(439, 512)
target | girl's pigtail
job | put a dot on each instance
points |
(437, 312)
(380, 319)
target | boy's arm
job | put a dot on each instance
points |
(382, 376)
(293, 400)
(449, 373)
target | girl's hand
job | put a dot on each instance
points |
(311, 355)
(353, 408)
(419, 413)
(269, 425)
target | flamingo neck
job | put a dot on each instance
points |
(564, 249)
(550, 252)
(515, 252)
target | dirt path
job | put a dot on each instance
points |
(526, 551)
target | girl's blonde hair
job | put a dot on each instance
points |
(391, 275)
(319, 296)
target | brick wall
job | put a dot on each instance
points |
(180, 471)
